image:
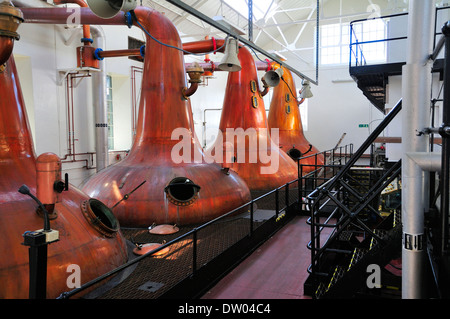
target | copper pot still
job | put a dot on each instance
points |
(244, 110)
(284, 114)
(95, 247)
(152, 184)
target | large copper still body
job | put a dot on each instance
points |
(153, 182)
(243, 108)
(96, 249)
(284, 114)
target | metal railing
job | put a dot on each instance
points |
(357, 57)
(227, 230)
(331, 192)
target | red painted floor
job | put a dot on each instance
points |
(276, 270)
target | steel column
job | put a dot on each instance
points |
(100, 104)
(444, 129)
(416, 91)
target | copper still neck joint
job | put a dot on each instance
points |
(10, 19)
(195, 73)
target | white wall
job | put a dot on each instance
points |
(338, 106)
(43, 55)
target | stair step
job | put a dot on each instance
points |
(345, 235)
(321, 289)
(358, 253)
(397, 218)
(380, 233)
(339, 271)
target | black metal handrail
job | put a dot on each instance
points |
(279, 212)
(331, 187)
(358, 44)
(357, 155)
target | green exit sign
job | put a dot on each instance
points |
(363, 125)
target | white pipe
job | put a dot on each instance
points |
(429, 162)
(416, 91)
(98, 89)
(99, 103)
(31, 3)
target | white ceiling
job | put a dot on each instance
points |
(289, 17)
(288, 26)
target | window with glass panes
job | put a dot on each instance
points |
(335, 41)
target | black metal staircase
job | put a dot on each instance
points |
(360, 234)
(372, 80)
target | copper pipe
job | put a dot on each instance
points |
(208, 46)
(260, 66)
(195, 72)
(266, 89)
(204, 46)
(211, 45)
(119, 53)
(86, 27)
(207, 60)
(187, 92)
(207, 66)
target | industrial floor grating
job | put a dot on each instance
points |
(155, 275)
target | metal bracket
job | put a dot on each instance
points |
(63, 73)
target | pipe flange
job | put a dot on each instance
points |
(10, 34)
(100, 217)
(181, 191)
(446, 29)
(195, 72)
(10, 19)
(444, 131)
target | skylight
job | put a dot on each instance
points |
(260, 7)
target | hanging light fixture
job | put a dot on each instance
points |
(305, 92)
(230, 61)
